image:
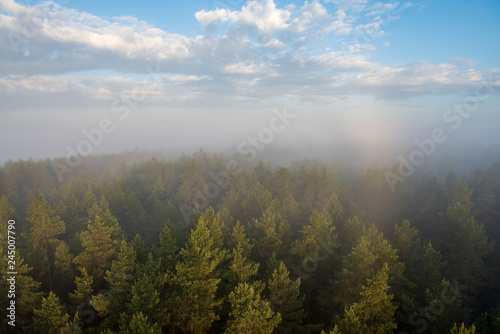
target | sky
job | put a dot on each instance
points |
(90, 77)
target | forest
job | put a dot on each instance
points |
(130, 243)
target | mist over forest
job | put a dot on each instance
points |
(266, 244)
(249, 166)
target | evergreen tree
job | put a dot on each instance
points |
(285, 299)
(366, 259)
(120, 278)
(52, 317)
(407, 243)
(102, 210)
(83, 291)
(98, 246)
(238, 237)
(140, 324)
(428, 270)
(249, 313)
(140, 248)
(318, 238)
(27, 296)
(374, 313)
(241, 270)
(145, 299)
(168, 246)
(196, 281)
(467, 250)
(63, 272)
(44, 227)
(462, 329)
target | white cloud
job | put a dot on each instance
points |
(262, 15)
(306, 52)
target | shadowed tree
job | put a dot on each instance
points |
(374, 313)
(285, 299)
(44, 227)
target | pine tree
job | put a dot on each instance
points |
(366, 259)
(99, 248)
(140, 324)
(44, 227)
(318, 238)
(407, 243)
(375, 310)
(120, 278)
(83, 291)
(27, 296)
(6, 214)
(52, 317)
(73, 327)
(284, 296)
(63, 272)
(241, 269)
(145, 299)
(443, 307)
(167, 252)
(190, 192)
(462, 329)
(249, 313)
(102, 210)
(271, 232)
(140, 248)
(238, 237)
(468, 247)
(196, 281)
(428, 270)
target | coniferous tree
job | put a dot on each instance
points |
(120, 279)
(167, 252)
(140, 324)
(462, 329)
(98, 248)
(285, 298)
(83, 291)
(374, 313)
(44, 227)
(196, 281)
(249, 313)
(366, 259)
(238, 237)
(63, 273)
(51, 318)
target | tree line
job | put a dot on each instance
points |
(128, 244)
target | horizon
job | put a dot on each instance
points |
(354, 75)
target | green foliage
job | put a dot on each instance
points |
(231, 273)
(318, 235)
(83, 289)
(51, 318)
(44, 226)
(140, 324)
(285, 299)
(195, 280)
(167, 251)
(249, 313)
(374, 314)
(367, 258)
(463, 330)
(120, 278)
(98, 246)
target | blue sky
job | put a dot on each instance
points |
(209, 73)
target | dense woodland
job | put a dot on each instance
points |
(204, 244)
